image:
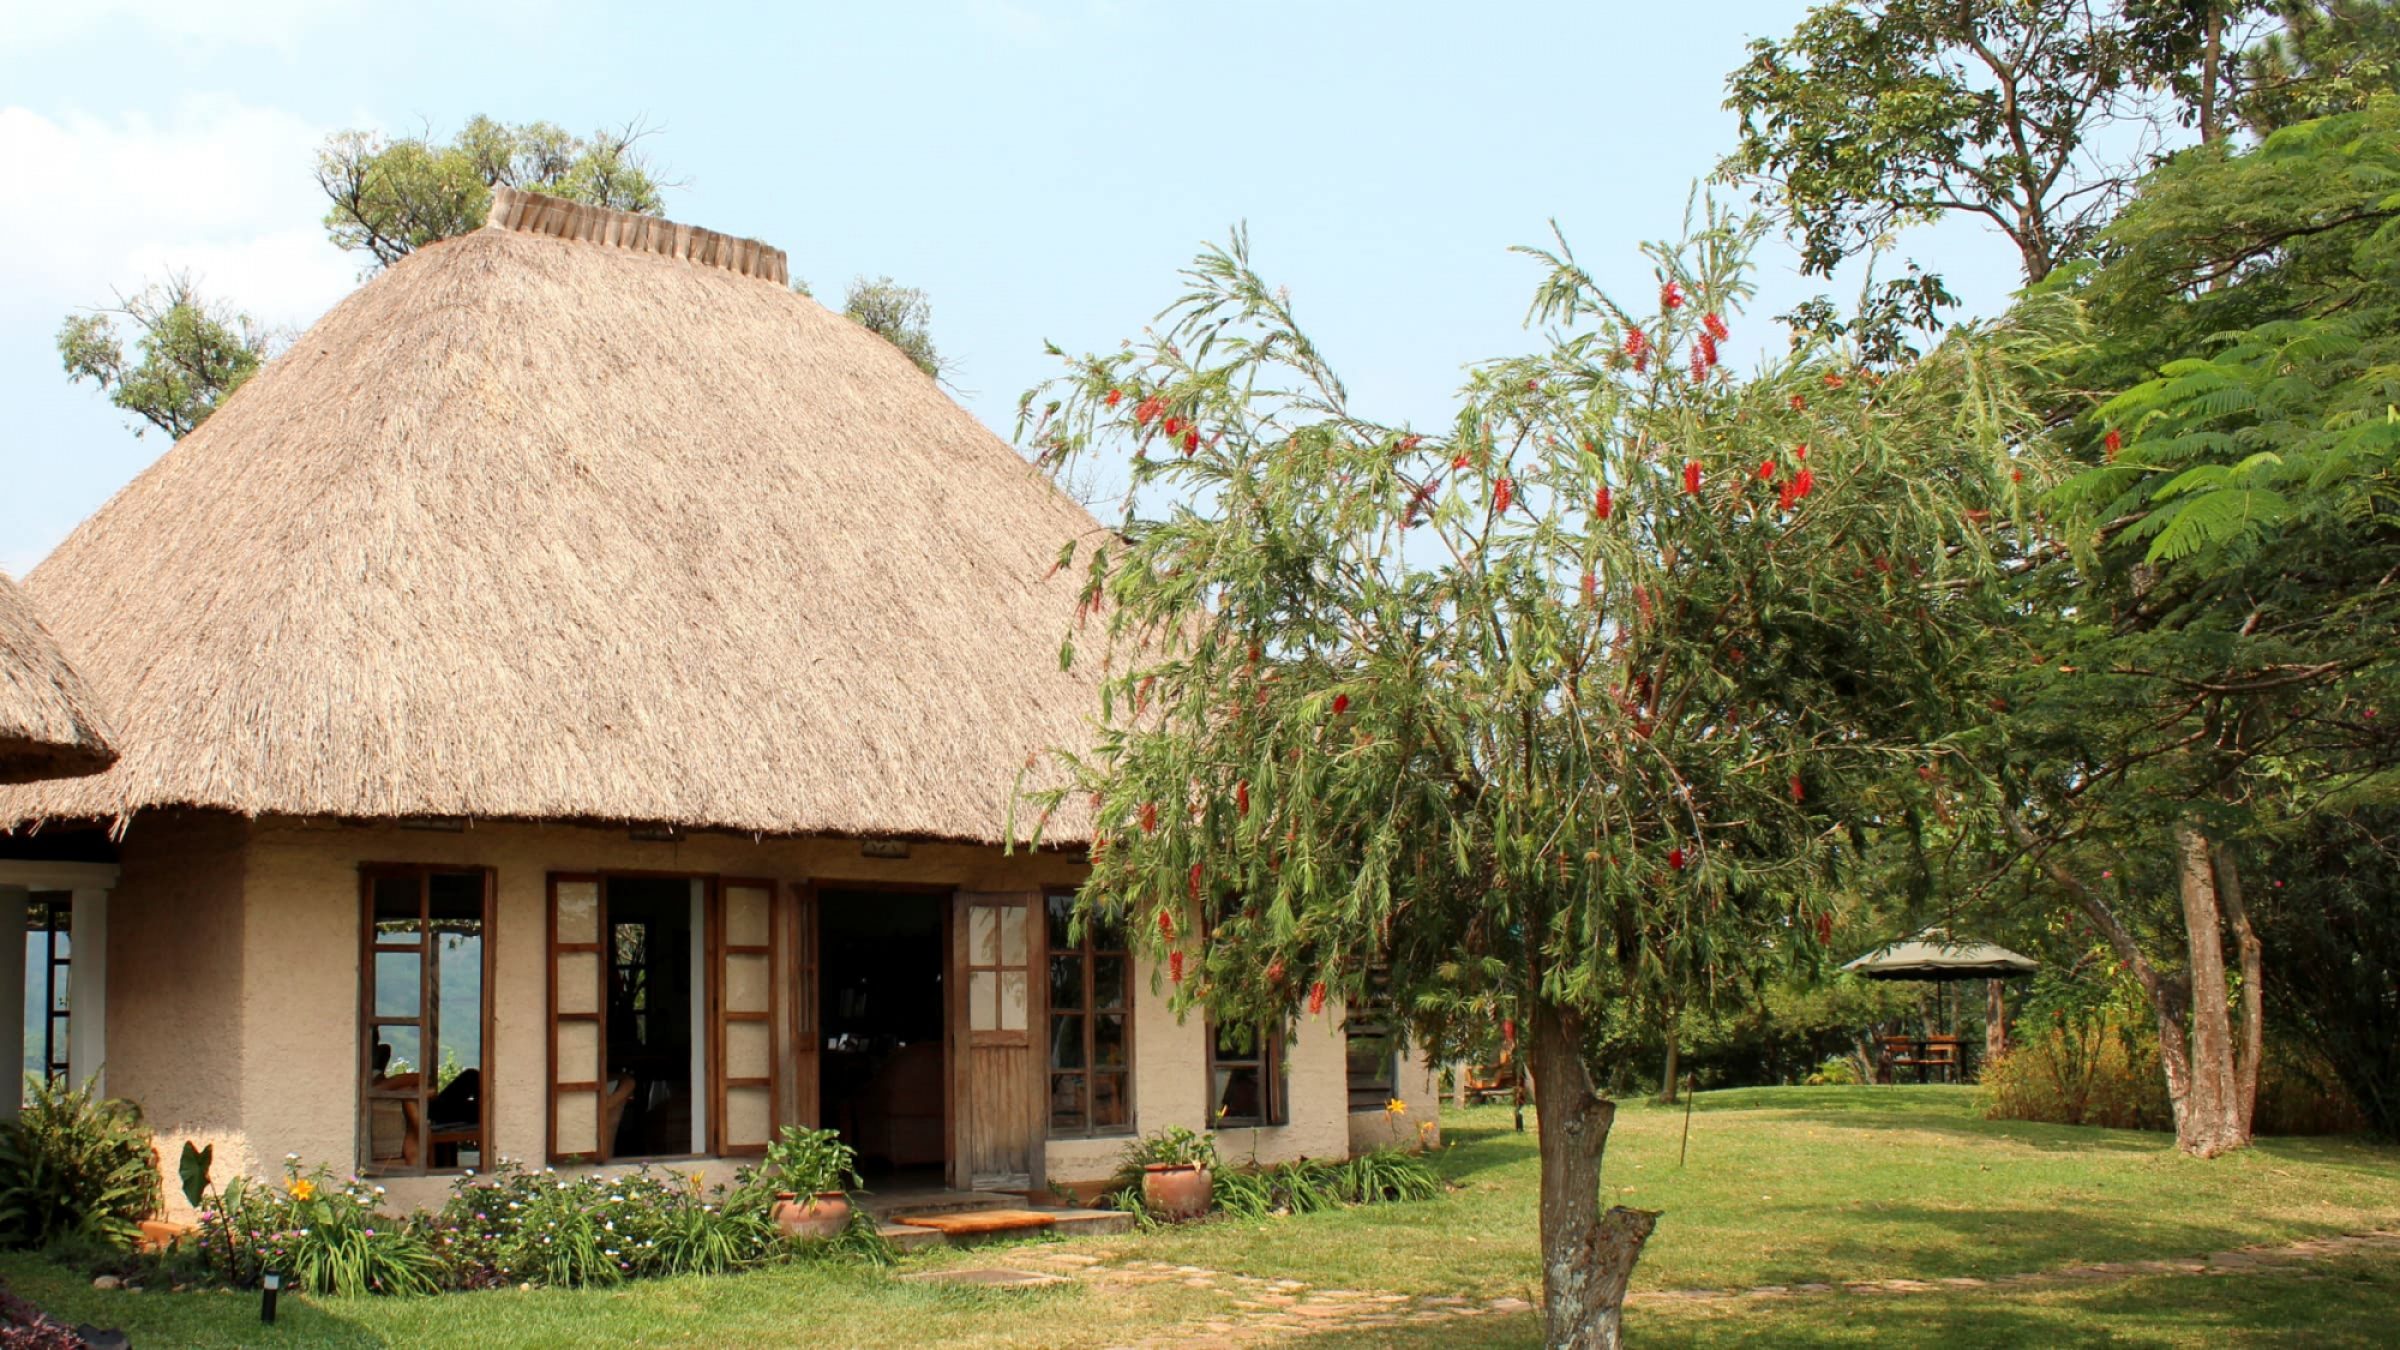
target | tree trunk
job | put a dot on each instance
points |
(1587, 1255)
(1666, 1088)
(2211, 55)
(2210, 1122)
(1458, 1085)
(2254, 1017)
(1995, 1021)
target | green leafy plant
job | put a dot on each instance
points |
(73, 1164)
(1385, 1176)
(805, 1162)
(1175, 1146)
(192, 1169)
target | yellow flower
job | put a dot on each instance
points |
(1396, 1107)
(303, 1189)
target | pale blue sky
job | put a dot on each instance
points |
(1041, 167)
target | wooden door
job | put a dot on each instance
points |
(744, 1069)
(803, 1036)
(996, 1001)
(578, 975)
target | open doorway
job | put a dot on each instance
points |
(884, 1017)
(654, 1104)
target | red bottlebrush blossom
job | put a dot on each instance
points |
(1148, 410)
(1675, 858)
(1173, 426)
(1533, 386)
(1715, 326)
(1591, 585)
(1461, 462)
(2016, 475)
(1175, 967)
(1799, 791)
(1799, 403)
(1166, 925)
(1707, 348)
(1637, 346)
(1787, 496)
(1503, 492)
(1149, 817)
(1341, 704)
(1191, 441)
(1194, 884)
(1670, 296)
(1603, 502)
(1642, 601)
(1699, 363)
(1275, 972)
(1835, 382)
(1766, 471)
(1241, 796)
(1316, 998)
(1115, 397)
(1824, 928)
(1800, 452)
(2114, 440)
(1408, 443)
(1803, 483)
(1691, 475)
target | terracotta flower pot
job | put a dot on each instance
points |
(823, 1215)
(1176, 1191)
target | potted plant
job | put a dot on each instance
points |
(812, 1171)
(1178, 1169)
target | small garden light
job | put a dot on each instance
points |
(269, 1287)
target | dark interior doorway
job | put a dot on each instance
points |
(652, 1107)
(884, 1018)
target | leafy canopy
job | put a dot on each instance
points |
(189, 354)
(1580, 698)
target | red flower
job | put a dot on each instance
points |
(1824, 928)
(1766, 471)
(1195, 881)
(1316, 998)
(1175, 967)
(1591, 585)
(1803, 483)
(1670, 296)
(1166, 925)
(1172, 426)
(1691, 475)
(1800, 451)
(2016, 475)
(1341, 704)
(1716, 327)
(1699, 363)
(1149, 817)
(1707, 348)
(2114, 440)
(1675, 858)
(1275, 972)
(1799, 403)
(1787, 495)
(1637, 346)
(1115, 396)
(1241, 796)
(1461, 462)
(1603, 502)
(1503, 492)
(1798, 793)
(1191, 441)
(1148, 409)
(1408, 443)
(1834, 381)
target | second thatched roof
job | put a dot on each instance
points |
(579, 517)
(49, 727)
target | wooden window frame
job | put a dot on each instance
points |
(428, 1018)
(720, 1082)
(1089, 1010)
(1373, 1016)
(1269, 1060)
(51, 915)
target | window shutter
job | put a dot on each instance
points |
(578, 1027)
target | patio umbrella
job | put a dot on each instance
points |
(1931, 955)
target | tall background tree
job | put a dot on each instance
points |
(1574, 705)
(189, 354)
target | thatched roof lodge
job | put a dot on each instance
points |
(49, 727)
(569, 705)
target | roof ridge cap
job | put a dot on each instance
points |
(559, 218)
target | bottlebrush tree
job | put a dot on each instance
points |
(1585, 698)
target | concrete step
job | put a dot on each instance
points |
(912, 1203)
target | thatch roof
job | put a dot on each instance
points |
(571, 518)
(49, 727)
(1933, 956)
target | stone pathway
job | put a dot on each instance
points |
(1260, 1309)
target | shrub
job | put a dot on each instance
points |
(74, 1165)
(2084, 1068)
(323, 1237)
(1836, 1071)
(1385, 1176)
(805, 1162)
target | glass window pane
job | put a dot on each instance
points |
(58, 994)
(1370, 1057)
(1112, 1105)
(983, 1001)
(1066, 1042)
(983, 935)
(1109, 1040)
(397, 1054)
(1111, 977)
(458, 985)
(455, 896)
(397, 917)
(1012, 935)
(1066, 982)
(396, 983)
(579, 911)
(1015, 987)
(1066, 1101)
(1061, 909)
(1237, 1100)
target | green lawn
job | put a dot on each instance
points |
(1782, 1186)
